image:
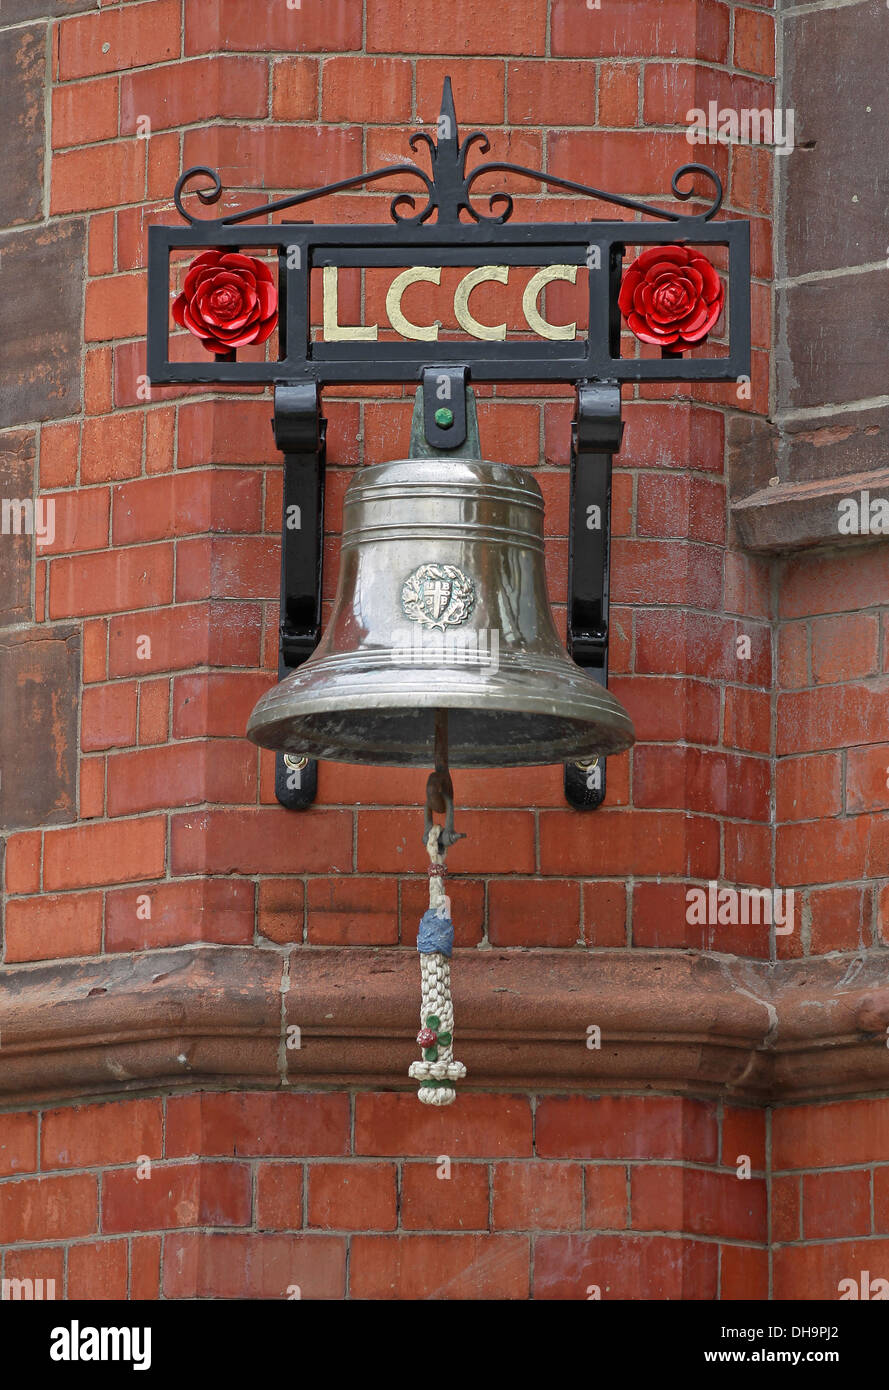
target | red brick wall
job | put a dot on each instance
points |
(167, 517)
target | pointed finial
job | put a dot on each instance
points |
(447, 121)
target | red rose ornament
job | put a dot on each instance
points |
(228, 301)
(671, 297)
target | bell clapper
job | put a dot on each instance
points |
(438, 1070)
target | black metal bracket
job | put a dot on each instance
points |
(300, 434)
(595, 438)
(444, 405)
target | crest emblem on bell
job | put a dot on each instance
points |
(438, 596)
(442, 607)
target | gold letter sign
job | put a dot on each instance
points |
(428, 333)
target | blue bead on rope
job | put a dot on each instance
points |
(436, 933)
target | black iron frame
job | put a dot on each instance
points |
(462, 235)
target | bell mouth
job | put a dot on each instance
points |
(515, 717)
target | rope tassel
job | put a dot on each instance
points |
(437, 1071)
(435, 941)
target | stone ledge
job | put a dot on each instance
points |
(678, 1021)
(795, 516)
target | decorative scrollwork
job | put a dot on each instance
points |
(448, 187)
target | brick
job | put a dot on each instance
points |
(630, 160)
(241, 567)
(470, 29)
(182, 94)
(366, 89)
(118, 39)
(550, 94)
(81, 521)
(281, 909)
(260, 841)
(216, 705)
(112, 448)
(295, 89)
(439, 1266)
(809, 853)
(748, 719)
(352, 1196)
(605, 913)
(667, 709)
(181, 774)
(328, 25)
(223, 1265)
(181, 913)
(104, 853)
(755, 42)
(188, 1194)
(672, 89)
(809, 788)
(180, 504)
(100, 176)
(526, 912)
(689, 574)
(699, 780)
(388, 843)
(743, 1132)
(845, 647)
(84, 112)
(839, 919)
(867, 778)
(59, 449)
(624, 1267)
(850, 580)
(671, 505)
(92, 788)
(23, 855)
(98, 1270)
(477, 84)
(53, 926)
(154, 711)
(254, 1124)
(108, 716)
(431, 1201)
(84, 1136)
(352, 911)
(279, 1196)
(848, 1132)
(46, 1263)
(116, 307)
(684, 28)
(606, 1198)
(626, 1127)
(833, 716)
(702, 644)
(537, 1196)
(110, 581)
(234, 431)
(743, 1273)
(618, 94)
(388, 1124)
(18, 1144)
(836, 1205)
(698, 1202)
(786, 1204)
(100, 258)
(145, 1261)
(200, 634)
(283, 156)
(42, 1209)
(627, 842)
(816, 1272)
(97, 382)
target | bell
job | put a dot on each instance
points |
(442, 605)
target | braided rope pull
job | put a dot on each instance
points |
(435, 941)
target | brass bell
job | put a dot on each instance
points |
(442, 604)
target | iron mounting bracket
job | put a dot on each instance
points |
(300, 434)
(595, 437)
